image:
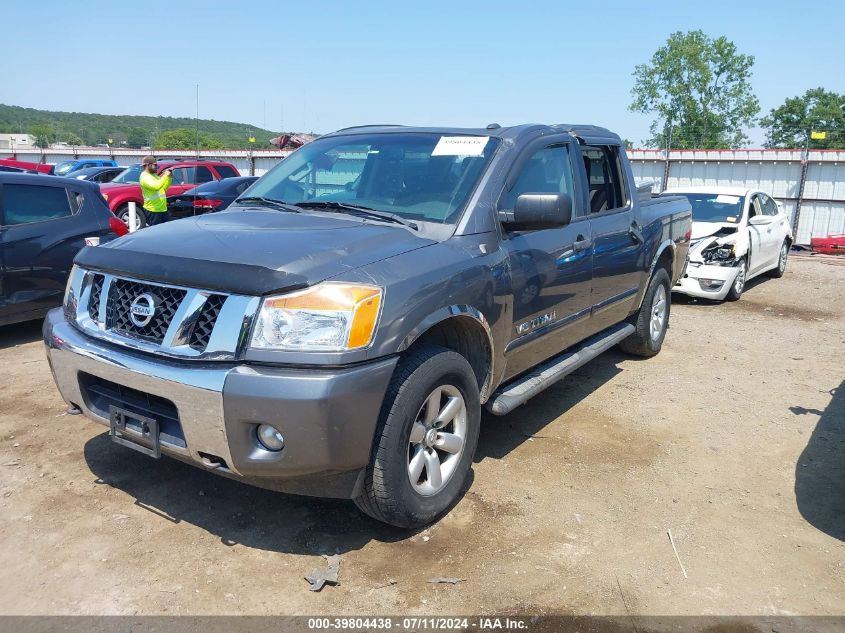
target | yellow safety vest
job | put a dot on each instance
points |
(154, 189)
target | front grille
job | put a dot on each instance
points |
(201, 333)
(121, 295)
(99, 394)
(94, 302)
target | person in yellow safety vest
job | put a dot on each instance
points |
(154, 190)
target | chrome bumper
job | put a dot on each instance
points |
(327, 416)
(197, 394)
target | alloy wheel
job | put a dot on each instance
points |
(437, 440)
(658, 313)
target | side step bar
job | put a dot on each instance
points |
(510, 396)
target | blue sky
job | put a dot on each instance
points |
(324, 65)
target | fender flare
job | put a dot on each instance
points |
(661, 248)
(457, 311)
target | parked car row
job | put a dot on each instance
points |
(186, 173)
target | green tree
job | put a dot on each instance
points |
(185, 138)
(70, 138)
(790, 124)
(137, 137)
(699, 89)
(43, 134)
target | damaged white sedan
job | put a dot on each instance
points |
(737, 234)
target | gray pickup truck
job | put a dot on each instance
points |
(338, 329)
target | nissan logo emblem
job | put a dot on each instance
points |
(142, 310)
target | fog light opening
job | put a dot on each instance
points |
(270, 437)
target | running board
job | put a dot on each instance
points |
(510, 396)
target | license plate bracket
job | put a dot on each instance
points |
(143, 433)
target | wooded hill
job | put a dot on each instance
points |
(83, 128)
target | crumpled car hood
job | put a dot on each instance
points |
(706, 234)
(703, 229)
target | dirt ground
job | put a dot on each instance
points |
(733, 438)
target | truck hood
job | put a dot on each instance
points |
(252, 252)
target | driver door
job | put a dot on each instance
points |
(757, 237)
(550, 268)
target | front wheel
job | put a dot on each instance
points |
(425, 440)
(123, 215)
(652, 319)
(738, 286)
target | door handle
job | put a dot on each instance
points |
(636, 233)
(581, 243)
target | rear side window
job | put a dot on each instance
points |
(25, 204)
(225, 171)
(549, 170)
(243, 186)
(203, 175)
(184, 176)
(604, 173)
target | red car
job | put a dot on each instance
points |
(44, 168)
(186, 174)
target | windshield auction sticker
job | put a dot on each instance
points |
(460, 146)
(723, 199)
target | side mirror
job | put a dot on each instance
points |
(540, 209)
(759, 220)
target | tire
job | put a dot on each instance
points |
(738, 286)
(778, 271)
(428, 374)
(652, 319)
(123, 215)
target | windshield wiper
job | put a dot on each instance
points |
(356, 209)
(270, 202)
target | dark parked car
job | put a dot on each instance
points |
(70, 167)
(43, 224)
(100, 175)
(209, 196)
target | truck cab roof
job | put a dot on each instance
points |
(591, 133)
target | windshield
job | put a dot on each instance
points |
(64, 167)
(129, 175)
(416, 176)
(710, 207)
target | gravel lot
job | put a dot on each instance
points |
(733, 438)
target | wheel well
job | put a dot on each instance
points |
(467, 337)
(666, 260)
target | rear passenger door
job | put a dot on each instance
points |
(776, 232)
(618, 248)
(40, 234)
(550, 268)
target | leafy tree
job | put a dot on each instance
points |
(70, 138)
(790, 124)
(43, 134)
(699, 89)
(185, 138)
(137, 137)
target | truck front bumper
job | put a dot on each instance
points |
(210, 411)
(706, 281)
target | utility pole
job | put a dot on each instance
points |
(198, 120)
(666, 162)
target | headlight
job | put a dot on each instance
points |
(330, 317)
(106, 197)
(719, 253)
